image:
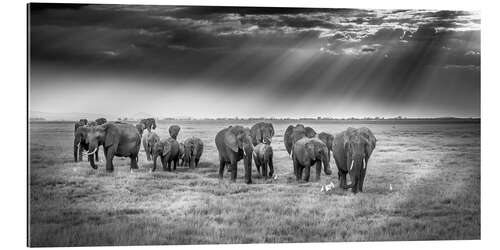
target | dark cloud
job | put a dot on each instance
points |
(335, 52)
(369, 50)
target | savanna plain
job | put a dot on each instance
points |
(422, 183)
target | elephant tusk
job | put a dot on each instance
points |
(92, 152)
(352, 164)
(364, 163)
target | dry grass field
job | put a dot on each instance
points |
(434, 171)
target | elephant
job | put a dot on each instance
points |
(101, 121)
(262, 132)
(149, 123)
(81, 122)
(174, 131)
(140, 128)
(80, 144)
(307, 152)
(352, 150)
(193, 148)
(295, 133)
(118, 139)
(148, 142)
(235, 143)
(263, 157)
(168, 150)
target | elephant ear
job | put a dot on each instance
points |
(288, 139)
(310, 133)
(230, 140)
(370, 139)
(256, 134)
(272, 128)
(111, 132)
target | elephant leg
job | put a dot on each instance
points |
(296, 169)
(257, 166)
(196, 161)
(169, 165)
(354, 182)
(164, 164)
(318, 170)
(222, 164)
(175, 165)
(307, 173)
(271, 168)
(234, 169)
(133, 162)
(109, 159)
(299, 172)
(80, 153)
(342, 180)
(264, 170)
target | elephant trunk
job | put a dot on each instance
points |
(247, 160)
(91, 159)
(155, 156)
(92, 149)
(75, 149)
(326, 166)
(191, 161)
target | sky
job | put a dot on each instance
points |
(207, 62)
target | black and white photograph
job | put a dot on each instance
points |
(195, 125)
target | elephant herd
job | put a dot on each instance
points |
(351, 149)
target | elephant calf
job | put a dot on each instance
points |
(193, 148)
(148, 141)
(307, 152)
(263, 157)
(181, 154)
(168, 150)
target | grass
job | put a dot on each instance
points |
(434, 171)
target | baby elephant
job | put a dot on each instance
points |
(193, 148)
(148, 141)
(307, 152)
(263, 157)
(168, 150)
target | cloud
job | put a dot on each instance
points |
(283, 47)
(368, 49)
(472, 53)
(462, 67)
